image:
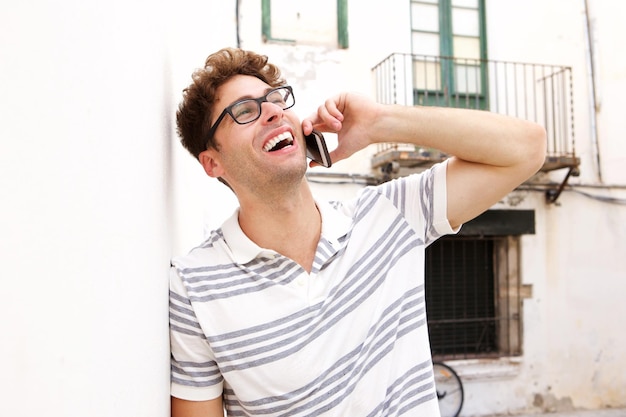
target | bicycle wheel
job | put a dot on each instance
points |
(449, 390)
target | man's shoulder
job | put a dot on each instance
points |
(200, 254)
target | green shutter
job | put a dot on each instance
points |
(342, 23)
(266, 20)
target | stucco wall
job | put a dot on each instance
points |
(85, 237)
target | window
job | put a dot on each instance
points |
(306, 22)
(473, 288)
(448, 44)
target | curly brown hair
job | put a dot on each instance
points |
(194, 114)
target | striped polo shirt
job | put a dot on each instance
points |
(347, 339)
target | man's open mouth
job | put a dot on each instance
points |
(279, 142)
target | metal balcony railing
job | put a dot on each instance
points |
(536, 92)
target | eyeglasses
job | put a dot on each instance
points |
(249, 110)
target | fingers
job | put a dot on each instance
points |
(328, 117)
(307, 126)
(331, 113)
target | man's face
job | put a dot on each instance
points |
(266, 152)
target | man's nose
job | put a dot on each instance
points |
(270, 112)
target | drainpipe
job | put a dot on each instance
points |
(237, 23)
(594, 107)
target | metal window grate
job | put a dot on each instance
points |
(469, 311)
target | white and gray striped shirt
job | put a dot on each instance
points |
(348, 339)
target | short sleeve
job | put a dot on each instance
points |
(194, 372)
(422, 200)
(440, 223)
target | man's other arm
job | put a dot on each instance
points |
(210, 408)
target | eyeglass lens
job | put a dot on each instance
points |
(248, 110)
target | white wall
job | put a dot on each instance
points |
(608, 35)
(85, 174)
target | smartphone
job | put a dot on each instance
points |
(316, 149)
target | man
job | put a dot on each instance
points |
(295, 307)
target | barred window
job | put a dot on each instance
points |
(473, 297)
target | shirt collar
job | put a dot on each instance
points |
(335, 224)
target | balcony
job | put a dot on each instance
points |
(536, 92)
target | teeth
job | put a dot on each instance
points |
(274, 141)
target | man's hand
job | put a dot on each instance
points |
(349, 115)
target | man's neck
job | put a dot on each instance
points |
(290, 225)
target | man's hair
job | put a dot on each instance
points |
(195, 112)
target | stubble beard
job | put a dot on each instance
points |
(280, 182)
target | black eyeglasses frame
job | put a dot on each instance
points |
(259, 101)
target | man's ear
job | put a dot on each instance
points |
(210, 163)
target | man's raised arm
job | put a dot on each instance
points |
(491, 153)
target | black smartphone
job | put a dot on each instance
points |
(316, 149)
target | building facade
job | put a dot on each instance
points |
(521, 303)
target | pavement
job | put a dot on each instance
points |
(611, 412)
